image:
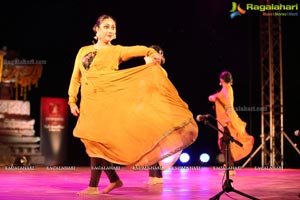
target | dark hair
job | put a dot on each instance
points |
(100, 20)
(226, 76)
(160, 51)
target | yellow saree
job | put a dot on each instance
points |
(227, 116)
(134, 117)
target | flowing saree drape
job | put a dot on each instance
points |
(134, 117)
(227, 115)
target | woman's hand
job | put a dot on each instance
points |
(75, 110)
(212, 98)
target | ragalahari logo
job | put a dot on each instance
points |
(236, 10)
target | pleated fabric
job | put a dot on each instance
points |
(134, 117)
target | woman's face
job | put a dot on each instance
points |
(156, 59)
(106, 31)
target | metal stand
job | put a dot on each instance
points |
(227, 187)
(254, 153)
(262, 147)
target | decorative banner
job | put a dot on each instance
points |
(23, 77)
(54, 130)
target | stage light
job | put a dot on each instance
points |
(184, 157)
(171, 159)
(21, 161)
(204, 157)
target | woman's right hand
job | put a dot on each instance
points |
(75, 110)
(212, 98)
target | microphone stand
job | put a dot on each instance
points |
(227, 187)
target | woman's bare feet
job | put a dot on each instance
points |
(154, 181)
(89, 191)
(112, 186)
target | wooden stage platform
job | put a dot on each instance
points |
(45, 183)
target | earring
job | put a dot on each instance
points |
(95, 37)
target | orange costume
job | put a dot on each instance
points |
(227, 116)
(132, 117)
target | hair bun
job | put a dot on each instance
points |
(226, 76)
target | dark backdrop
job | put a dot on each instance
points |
(198, 37)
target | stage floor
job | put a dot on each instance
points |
(43, 183)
